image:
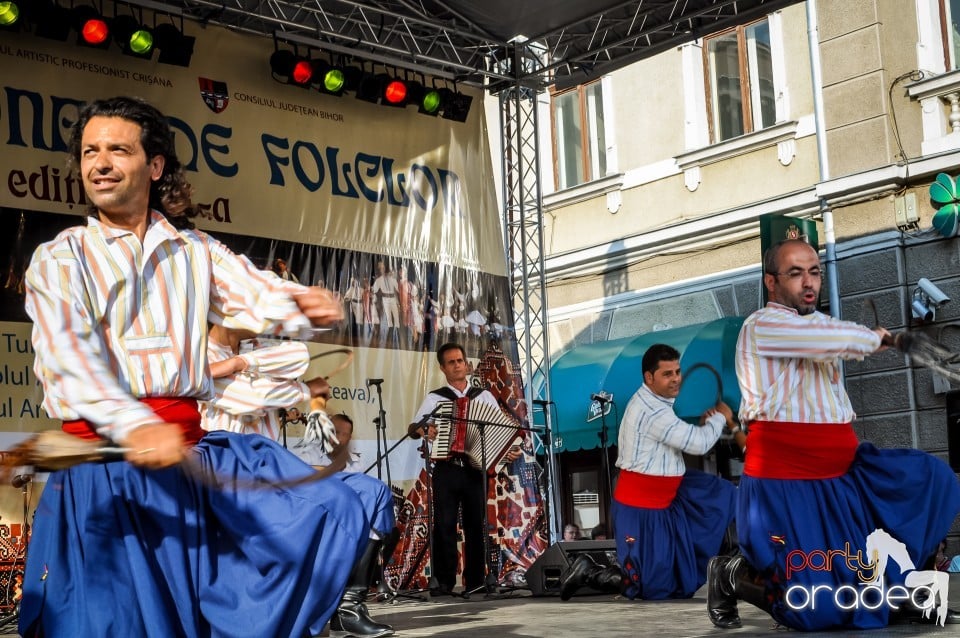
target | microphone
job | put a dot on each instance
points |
(371, 382)
(600, 398)
(543, 402)
(20, 480)
(416, 430)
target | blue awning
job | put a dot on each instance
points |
(613, 367)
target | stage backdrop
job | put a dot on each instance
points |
(353, 195)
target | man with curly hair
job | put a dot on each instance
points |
(121, 307)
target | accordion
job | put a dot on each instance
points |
(480, 431)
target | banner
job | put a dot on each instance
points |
(360, 198)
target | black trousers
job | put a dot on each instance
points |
(458, 490)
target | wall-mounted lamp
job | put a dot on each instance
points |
(927, 298)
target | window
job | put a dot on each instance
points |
(579, 138)
(740, 85)
(950, 23)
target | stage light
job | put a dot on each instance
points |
(334, 79)
(9, 14)
(175, 47)
(134, 38)
(456, 105)
(430, 102)
(371, 87)
(52, 20)
(427, 99)
(291, 68)
(395, 93)
(92, 27)
(302, 72)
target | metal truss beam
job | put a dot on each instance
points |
(523, 239)
(441, 41)
(639, 29)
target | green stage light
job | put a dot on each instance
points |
(134, 38)
(9, 14)
(334, 81)
(430, 102)
(141, 41)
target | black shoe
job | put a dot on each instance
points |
(721, 600)
(576, 575)
(353, 620)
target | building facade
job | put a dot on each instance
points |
(656, 176)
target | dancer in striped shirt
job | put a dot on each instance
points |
(667, 520)
(811, 494)
(249, 389)
(120, 307)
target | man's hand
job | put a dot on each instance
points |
(431, 432)
(319, 387)
(725, 410)
(722, 409)
(155, 446)
(513, 454)
(887, 340)
(319, 305)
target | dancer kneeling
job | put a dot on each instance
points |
(668, 520)
(832, 530)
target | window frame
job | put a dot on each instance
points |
(743, 65)
(586, 133)
(948, 61)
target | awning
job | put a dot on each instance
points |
(613, 367)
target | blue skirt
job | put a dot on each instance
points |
(802, 534)
(664, 552)
(376, 498)
(119, 551)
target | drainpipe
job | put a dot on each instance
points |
(830, 238)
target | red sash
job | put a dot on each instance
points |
(645, 490)
(783, 450)
(169, 409)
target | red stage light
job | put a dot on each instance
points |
(302, 71)
(94, 31)
(395, 92)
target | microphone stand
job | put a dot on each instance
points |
(381, 423)
(604, 458)
(490, 582)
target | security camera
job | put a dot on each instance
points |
(935, 295)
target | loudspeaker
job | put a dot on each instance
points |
(543, 577)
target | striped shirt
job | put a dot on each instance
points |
(115, 320)
(787, 365)
(653, 438)
(248, 402)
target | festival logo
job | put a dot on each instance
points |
(214, 94)
(926, 590)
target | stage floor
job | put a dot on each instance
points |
(521, 615)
